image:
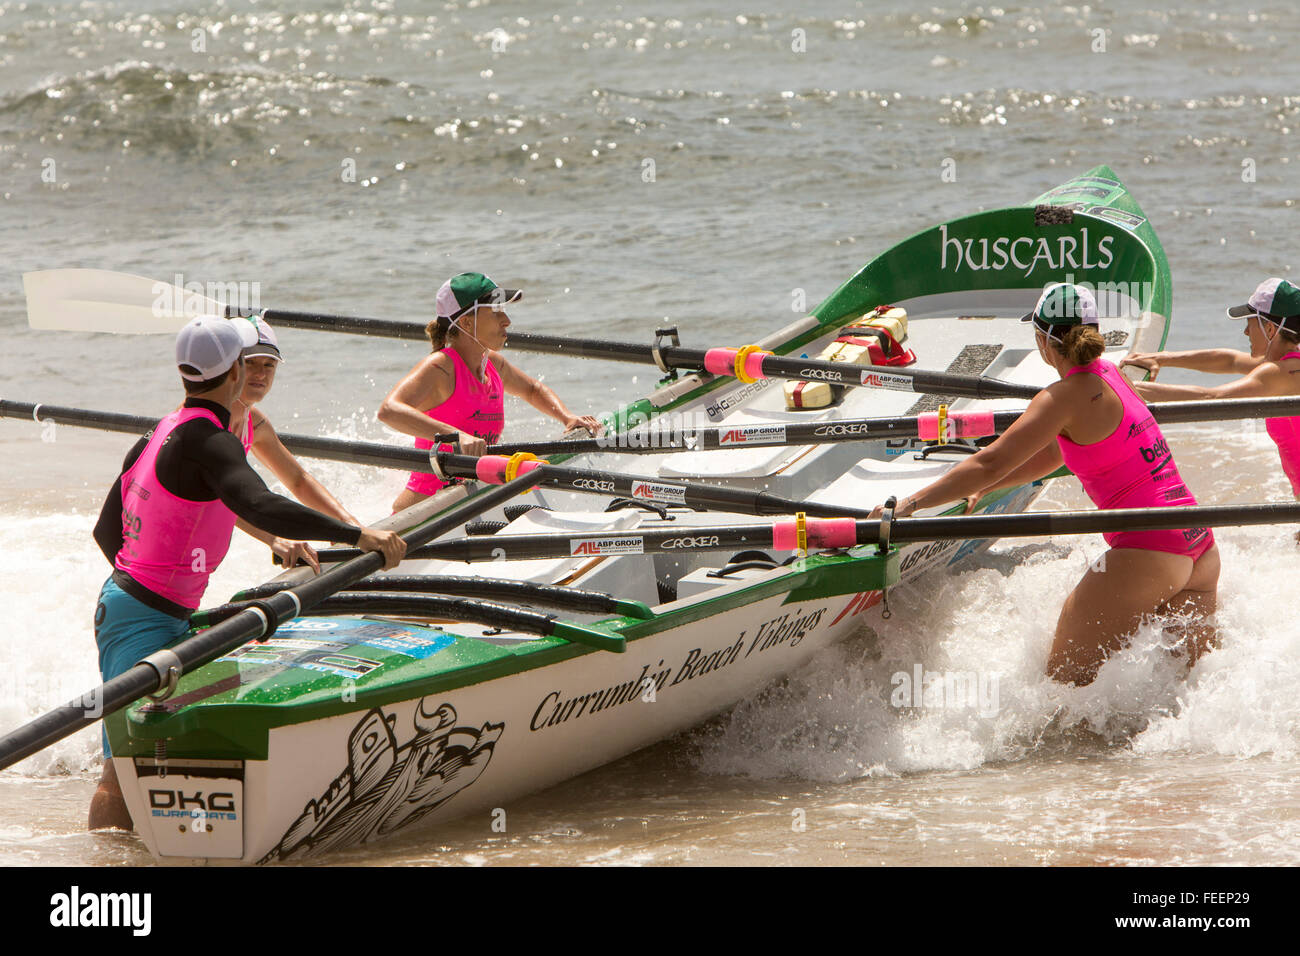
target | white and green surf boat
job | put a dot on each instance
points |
(611, 614)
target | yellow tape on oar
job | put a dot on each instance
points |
(742, 353)
(943, 424)
(513, 463)
(801, 533)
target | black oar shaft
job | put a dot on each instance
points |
(652, 438)
(804, 369)
(680, 357)
(349, 324)
(334, 449)
(654, 540)
(666, 491)
(1093, 522)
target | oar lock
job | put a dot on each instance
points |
(886, 522)
(656, 353)
(168, 667)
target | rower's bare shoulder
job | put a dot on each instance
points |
(437, 364)
(502, 364)
(510, 374)
(1069, 389)
(1061, 401)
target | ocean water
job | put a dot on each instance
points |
(348, 157)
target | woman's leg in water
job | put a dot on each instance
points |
(1107, 605)
(1198, 600)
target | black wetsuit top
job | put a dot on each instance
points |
(200, 462)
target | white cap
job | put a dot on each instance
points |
(267, 343)
(211, 344)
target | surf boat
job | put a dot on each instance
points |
(598, 614)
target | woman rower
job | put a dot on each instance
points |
(1094, 422)
(1272, 368)
(251, 426)
(459, 387)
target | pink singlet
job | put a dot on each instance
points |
(475, 407)
(1133, 468)
(170, 545)
(246, 439)
(1285, 432)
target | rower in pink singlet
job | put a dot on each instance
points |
(1133, 468)
(162, 533)
(475, 406)
(1285, 433)
(1272, 325)
(461, 384)
(246, 439)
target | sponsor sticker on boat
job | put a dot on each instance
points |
(1125, 219)
(627, 544)
(197, 808)
(718, 410)
(412, 645)
(753, 435)
(325, 657)
(656, 491)
(308, 626)
(899, 383)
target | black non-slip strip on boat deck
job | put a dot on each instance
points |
(971, 360)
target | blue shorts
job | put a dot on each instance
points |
(128, 631)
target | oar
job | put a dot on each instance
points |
(162, 668)
(95, 300)
(654, 439)
(496, 469)
(311, 446)
(791, 534)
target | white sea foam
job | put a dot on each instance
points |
(835, 721)
(51, 572)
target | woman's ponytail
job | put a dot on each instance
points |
(1082, 344)
(437, 332)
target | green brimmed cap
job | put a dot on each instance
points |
(1063, 305)
(1277, 300)
(461, 293)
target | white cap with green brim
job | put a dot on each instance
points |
(1061, 306)
(1277, 300)
(210, 345)
(461, 293)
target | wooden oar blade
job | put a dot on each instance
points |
(96, 300)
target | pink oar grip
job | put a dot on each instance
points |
(754, 365)
(974, 424)
(721, 361)
(784, 536)
(927, 426)
(821, 532)
(491, 469)
(964, 425)
(833, 532)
